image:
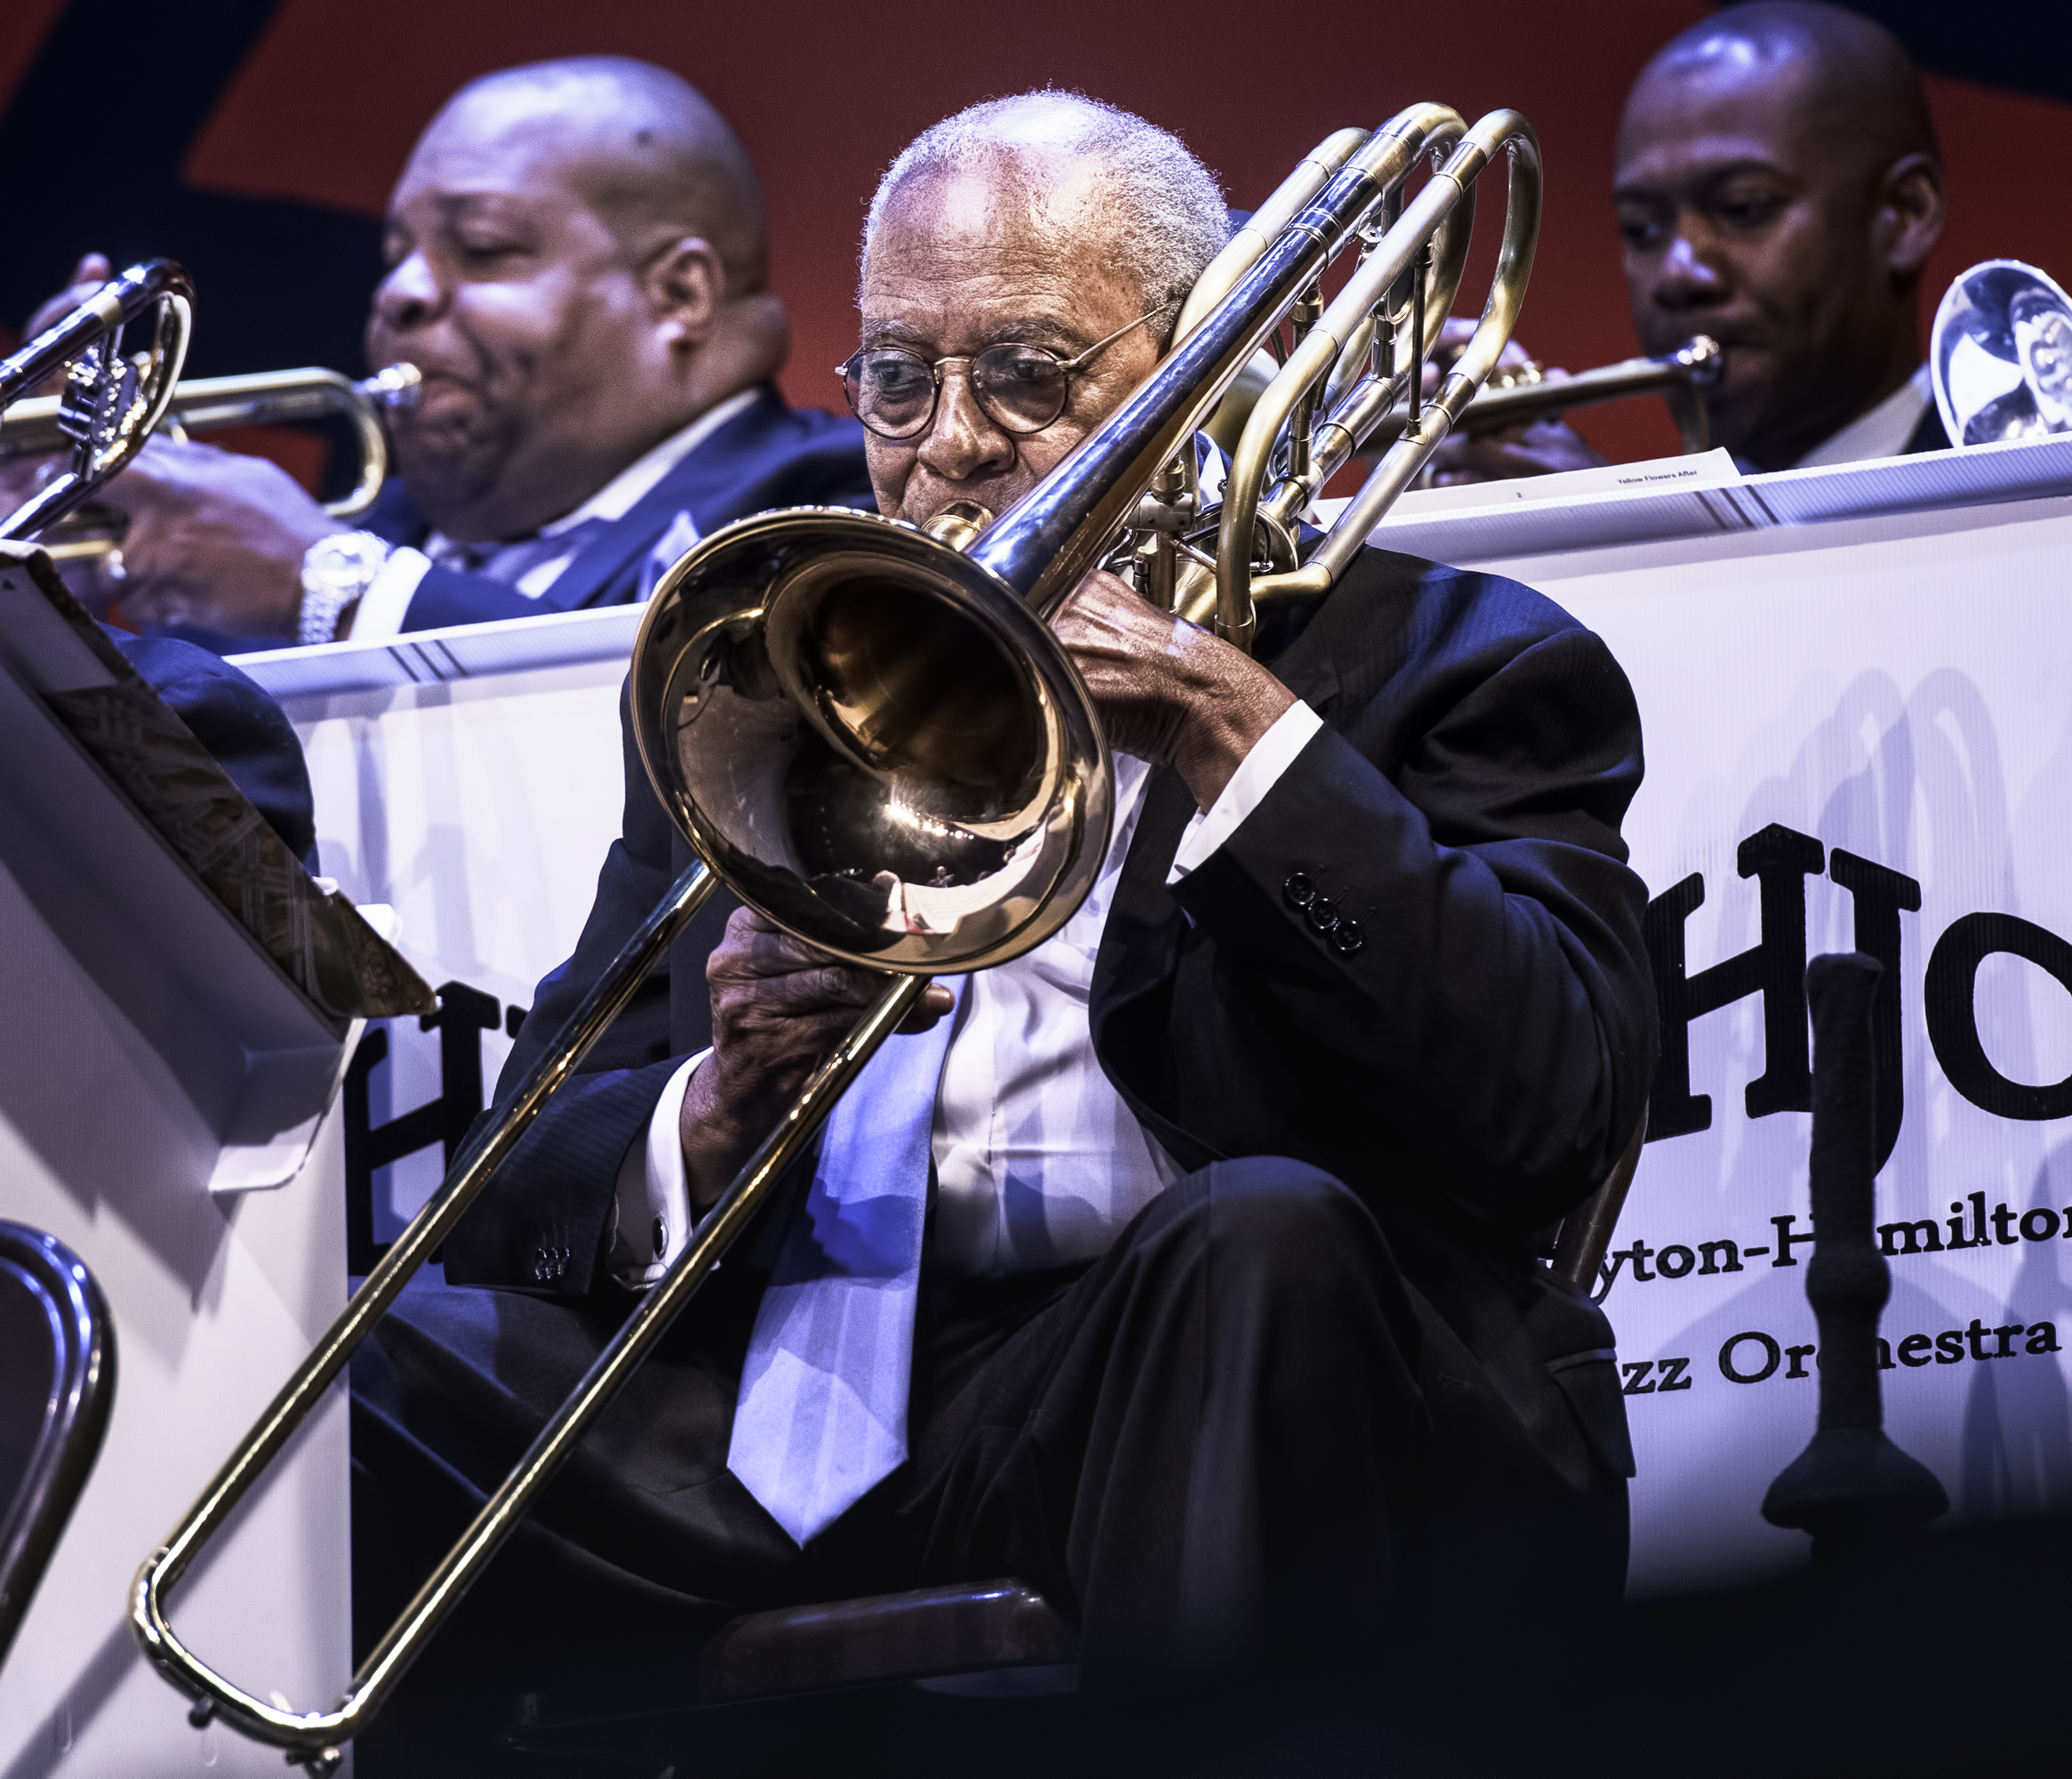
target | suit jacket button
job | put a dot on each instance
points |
(1346, 938)
(1299, 890)
(1322, 913)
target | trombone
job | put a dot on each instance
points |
(36, 427)
(869, 732)
(111, 403)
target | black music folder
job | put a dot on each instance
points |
(319, 940)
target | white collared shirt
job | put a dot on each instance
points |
(1882, 433)
(1039, 1162)
(386, 603)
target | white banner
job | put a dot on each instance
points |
(477, 791)
(1859, 736)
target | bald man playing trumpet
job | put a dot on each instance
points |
(577, 267)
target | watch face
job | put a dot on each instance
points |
(347, 562)
(2001, 355)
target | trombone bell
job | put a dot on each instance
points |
(873, 739)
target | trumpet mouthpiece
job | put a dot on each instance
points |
(1704, 357)
(395, 385)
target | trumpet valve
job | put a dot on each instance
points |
(99, 387)
(1516, 376)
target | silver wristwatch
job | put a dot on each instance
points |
(337, 571)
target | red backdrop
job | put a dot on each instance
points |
(823, 95)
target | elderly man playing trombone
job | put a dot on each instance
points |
(1193, 1268)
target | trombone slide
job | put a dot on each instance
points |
(312, 1738)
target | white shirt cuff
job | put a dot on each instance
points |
(654, 1199)
(1258, 773)
(382, 607)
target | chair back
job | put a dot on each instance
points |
(57, 1381)
(1586, 1233)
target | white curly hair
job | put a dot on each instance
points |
(1173, 215)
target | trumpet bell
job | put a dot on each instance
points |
(873, 739)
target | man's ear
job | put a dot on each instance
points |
(686, 287)
(1910, 213)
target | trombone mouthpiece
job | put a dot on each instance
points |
(395, 385)
(959, 523)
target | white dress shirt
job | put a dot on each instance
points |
(386, 603)
(1882, 433)
(1039, 1163)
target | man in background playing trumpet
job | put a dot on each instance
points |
(1779, 189)
(1186, 1266)
(577, 267)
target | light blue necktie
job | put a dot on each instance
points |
(679, 539)
(822, 1413)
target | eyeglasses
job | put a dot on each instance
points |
(1020, 389)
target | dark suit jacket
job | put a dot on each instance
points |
(768, 455)
(1472, 1071)
(236, 721)
(1928, 435)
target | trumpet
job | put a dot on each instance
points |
(111, 403)
(36, 427)
(1518, 394)
(869, 732)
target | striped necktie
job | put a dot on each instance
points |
(822, 1413)
(511, 562)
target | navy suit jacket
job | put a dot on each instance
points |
(237, 719)
(1929, 434)
(767, 456)
(1473, 1071)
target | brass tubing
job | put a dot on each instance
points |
(1420, 291)
(1352, 363)
(1258, 232)
(120, 299)
(98, 454)
(31, 428)
(1158, 578)
(1312, 361)
(311, 1732)
(1497, 132)
(1694, 366)
(1242, 251)
(1303, 316)
(1449, 249)
(1336, 440)
(1449, 263)
(1240, 254)
(716, 1233)
(783, 580)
